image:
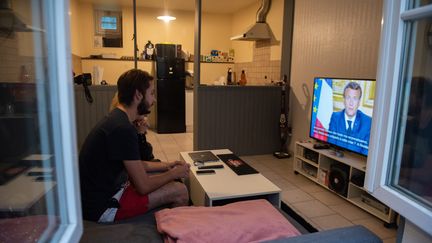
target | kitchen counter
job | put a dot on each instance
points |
(241, 86)
(140, 60)
(244, 119)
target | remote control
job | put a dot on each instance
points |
(205, 172)
(321, 146)
(210, 167)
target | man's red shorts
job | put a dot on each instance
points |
(131, 204)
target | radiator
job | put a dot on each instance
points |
(244, 119)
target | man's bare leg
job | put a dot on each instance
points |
(174, 194)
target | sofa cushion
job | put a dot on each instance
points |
(351, 234)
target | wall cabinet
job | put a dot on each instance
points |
(342, 175)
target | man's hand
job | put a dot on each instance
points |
(175, 163)
(141, 124)
(180, 171)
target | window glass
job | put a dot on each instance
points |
(108, 28)
(109, 23)
(419, 3)
(414, 147)
(32, 179)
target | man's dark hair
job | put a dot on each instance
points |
(129, 82)
(354, 86)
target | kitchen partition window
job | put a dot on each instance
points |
(400, 162)
(108, 28)
(39, 188)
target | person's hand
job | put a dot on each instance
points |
(180, 171)
(174, 163)
(141, 124)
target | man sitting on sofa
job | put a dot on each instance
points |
(114, 180)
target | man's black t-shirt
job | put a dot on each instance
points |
(102, 171)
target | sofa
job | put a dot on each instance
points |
(143, 229)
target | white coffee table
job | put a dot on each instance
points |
(22, 192)
(225, 185)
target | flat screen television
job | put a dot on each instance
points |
(342, 112)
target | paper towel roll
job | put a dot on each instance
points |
(97, 74)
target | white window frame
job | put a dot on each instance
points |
(384, 128)
(60, 71)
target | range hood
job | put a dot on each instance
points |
(260, 30)
(10, 21)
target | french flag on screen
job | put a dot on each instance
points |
(322, 108)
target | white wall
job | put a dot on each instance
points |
(332, 38)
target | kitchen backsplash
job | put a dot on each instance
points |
(261, 66)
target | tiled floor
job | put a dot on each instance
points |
(318, 206)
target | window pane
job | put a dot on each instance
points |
(414, 173)
(419, 3)
(109, 23)
(32, 205)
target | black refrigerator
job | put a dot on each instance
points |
(170, 93)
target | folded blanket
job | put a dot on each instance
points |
(247, 221)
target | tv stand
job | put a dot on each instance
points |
(321, 146)
(344, 175)
(337, 152)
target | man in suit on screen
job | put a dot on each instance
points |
(350, 128)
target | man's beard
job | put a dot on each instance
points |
(143, 108)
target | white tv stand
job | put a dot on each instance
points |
(342, 175)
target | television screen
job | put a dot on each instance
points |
(342, 112)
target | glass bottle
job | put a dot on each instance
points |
(243, 80)
(229, 76)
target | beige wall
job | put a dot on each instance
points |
(245, 18)
(332, 38)
(240, 22)
(75, 31)
(259, 59)
(113, 69)
(215, 30)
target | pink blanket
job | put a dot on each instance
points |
(247, 221)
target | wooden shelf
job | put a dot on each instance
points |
(142, 60)
(351, 166)
(377, 213)
(307, 175)
(359, 187)
(307, 161)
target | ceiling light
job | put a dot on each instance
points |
(166, 18)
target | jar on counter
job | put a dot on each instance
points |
(243, 80)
